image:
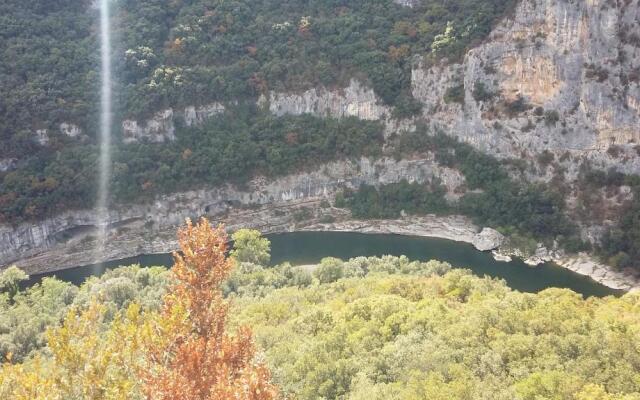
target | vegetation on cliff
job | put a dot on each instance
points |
(494, 197)
(230, 148)
(373, 328)
(186, 52)
(193, 52)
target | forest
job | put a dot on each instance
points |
(188, 52)
(374, 328)
(231, 148)
(173, 53)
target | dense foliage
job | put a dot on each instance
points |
(620, 245)
(178, 349)
(230, 148)
(368, 328)
(443, 336)
(48, 71)
(185, 52)
(241, 48)
(390, 200)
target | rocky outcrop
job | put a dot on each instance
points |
(354, 100)
(455, 227)
(8, 164)
(198, 115)
(574, 64)
(41, 137)
(161, 127)
(488, 239)
(158, 129)
(585, 265)
(136, 229)
(70, 130)
(407, 3)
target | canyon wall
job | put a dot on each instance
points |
(68, 239)
(574, 64)
(557, 75)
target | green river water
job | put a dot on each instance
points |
(310, 247)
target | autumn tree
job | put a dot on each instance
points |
(189, 354)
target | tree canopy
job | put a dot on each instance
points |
(374, 328)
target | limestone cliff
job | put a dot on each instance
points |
(161, 127)
(66, 240)
(353, 101)
(575, 66)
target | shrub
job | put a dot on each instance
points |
(481, 93)
(454, 94)
(551, 117)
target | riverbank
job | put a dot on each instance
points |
(133, 239)
(457, 228)
(461, 229)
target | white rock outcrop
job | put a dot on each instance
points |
(198, 115)
(354, 100)
(7, 164)
(70, 130)
(488, 239)
(42, 137)
(158, 129)
(161, 127)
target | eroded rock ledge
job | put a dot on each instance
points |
(455, 227)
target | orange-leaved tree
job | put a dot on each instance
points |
(189, 354)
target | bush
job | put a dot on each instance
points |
(517, 106)
(329, 270)
(551, 117)
(388, 201)
(481, 93)
(454, 94)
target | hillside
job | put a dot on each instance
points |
(521, 116)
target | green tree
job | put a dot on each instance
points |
(10, 280)
(250, 247)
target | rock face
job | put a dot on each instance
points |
(407, 3)
(353, 101)
(70, 130)
(42, 137)
(7, 164)
(161, 127)
(158, 129)
(455, 227)
(488, 239)
(149, 222)
(197, 115)
(576, 67)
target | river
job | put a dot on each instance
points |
(310, 247)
